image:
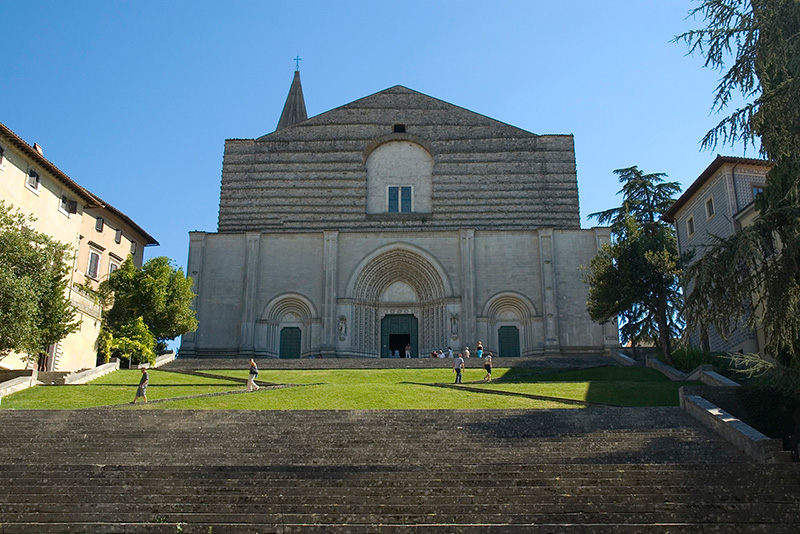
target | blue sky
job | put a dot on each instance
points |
(134, 99)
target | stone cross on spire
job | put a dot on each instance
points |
(297, 61)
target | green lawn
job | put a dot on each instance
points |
(351, 389)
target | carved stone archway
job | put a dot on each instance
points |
(373, 293)
(291, 310)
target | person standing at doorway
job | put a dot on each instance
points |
(141, 391)
(251, 378)
(408, 350)
(458, 366)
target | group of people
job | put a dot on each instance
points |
(458, 365)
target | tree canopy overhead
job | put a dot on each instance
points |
(756, 45)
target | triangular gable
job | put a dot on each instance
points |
(399, 100)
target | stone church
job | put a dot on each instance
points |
(395, 220)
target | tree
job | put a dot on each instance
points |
(757, 269)
(157, 293)
(34, 309)
(635, 277)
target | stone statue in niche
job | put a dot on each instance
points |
(342, 328)
(454, 326)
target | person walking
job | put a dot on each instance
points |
(487, 364)
(466, 352)
(251, 378)
(141, 391)
(458, 366)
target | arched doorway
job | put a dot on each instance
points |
(397, 332)
(399, 290)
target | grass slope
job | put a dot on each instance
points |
(358, 389)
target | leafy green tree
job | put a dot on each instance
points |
(133, 342)
(756, 44)
(34, 309)
(635, 278)
(157, 293)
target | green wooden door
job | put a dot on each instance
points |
(508, 341)
(290, 342)
(397, 331)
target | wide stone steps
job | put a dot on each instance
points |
(618, 470)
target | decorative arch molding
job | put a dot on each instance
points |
(380, 270)
(377, 142)
(509, 301)
(511, 309)
(289, 303)
(399, 262)
(287, 309)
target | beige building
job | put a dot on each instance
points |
(718, 204)
(69, 213)
(398, 219)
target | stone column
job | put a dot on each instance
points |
(549, 293)
(194, 268)
(468, 316)
(330, 270)
(250, 286)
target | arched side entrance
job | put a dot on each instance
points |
(511, 325)
(399, 294)
(285, 327)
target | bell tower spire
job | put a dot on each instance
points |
(294, 110)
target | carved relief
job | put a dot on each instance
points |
(394, 274)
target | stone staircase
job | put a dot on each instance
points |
(599, 469)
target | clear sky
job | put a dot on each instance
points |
(134, 99)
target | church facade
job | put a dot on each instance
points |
(396, 220)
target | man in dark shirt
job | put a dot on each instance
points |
(458, 366)
(142, 390)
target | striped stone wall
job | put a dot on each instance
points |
(312, 176)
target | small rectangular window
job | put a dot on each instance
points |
(2, 153)
(710, 208)
(67, 205)
(33, 180)
(690, 225)
(98, 224)
(94, 264)
(112, 267)
(118, 236)
(399, 128)
(399, 199)
(757, 190)
(133, 247)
